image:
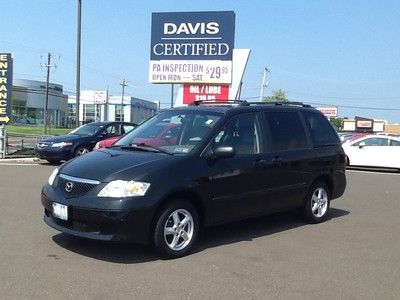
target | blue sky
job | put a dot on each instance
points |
(344, 53)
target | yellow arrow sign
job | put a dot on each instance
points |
(4, 119)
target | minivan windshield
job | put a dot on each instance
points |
(176, 132)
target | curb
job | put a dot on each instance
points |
(20, 159)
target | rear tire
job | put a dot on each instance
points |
(176, 229)
(317, 203)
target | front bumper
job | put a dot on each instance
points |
(122, 223)
(54, 153)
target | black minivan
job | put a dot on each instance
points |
(218, 163)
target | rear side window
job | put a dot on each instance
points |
(374, 141)
(321, 131)
(394, 143)
(287, 132)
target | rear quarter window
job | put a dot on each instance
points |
(287, 131)
(321, 131)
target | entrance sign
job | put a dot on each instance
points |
(192, 47)
(6, 72)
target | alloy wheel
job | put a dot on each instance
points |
(178, 229)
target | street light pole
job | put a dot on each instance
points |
(78, 62)
(123, 84)
(48, 66)
(264, 84)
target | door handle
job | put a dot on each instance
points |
(277, 160)
(260, 163)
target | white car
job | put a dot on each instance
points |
(378, 151)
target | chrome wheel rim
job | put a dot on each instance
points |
(82, 151)
(178, 229)
(319, 202)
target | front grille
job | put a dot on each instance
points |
(71, 187)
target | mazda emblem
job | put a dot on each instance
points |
(68, 187)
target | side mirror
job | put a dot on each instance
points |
(361, 145)
(225, 151)
(220, 152)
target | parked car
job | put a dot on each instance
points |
(223, 163)
(79, 141)
(379, 151)
(162, 134)
(348, 136)
(108, 142)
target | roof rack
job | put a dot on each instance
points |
(219, 102)
(293, 103)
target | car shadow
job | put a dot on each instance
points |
(250, 229)
(235, 232)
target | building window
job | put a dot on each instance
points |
(119, 113)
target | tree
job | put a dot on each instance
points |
(337, 123)
(279, 95)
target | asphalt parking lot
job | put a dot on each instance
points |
(354, 255)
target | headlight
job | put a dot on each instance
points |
(61, 145)
(121, 188)
(53, 176)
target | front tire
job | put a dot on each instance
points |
(176, 229)
(53, 161)
(317, 203)
(81, 151)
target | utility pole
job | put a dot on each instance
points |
(78, 62)
(48, 66)
(172, 95)
(264, 83)
(123, 84)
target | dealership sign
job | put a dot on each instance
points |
(196, 92)
(6, 70)
(192, 47)
(329, 112)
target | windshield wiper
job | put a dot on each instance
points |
(145, 147)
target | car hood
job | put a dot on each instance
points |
(108, 164)
(62, 138)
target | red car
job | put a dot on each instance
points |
(106, 142)
(163, 134)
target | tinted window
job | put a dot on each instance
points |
(321, 131)
(241, 133)
(287, 131)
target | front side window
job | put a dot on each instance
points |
(177, 132)
(112, 130)
(287, 132)
(242, 133)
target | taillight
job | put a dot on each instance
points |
(343, 159)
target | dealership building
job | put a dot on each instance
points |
(29, 100)
(99, 106)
